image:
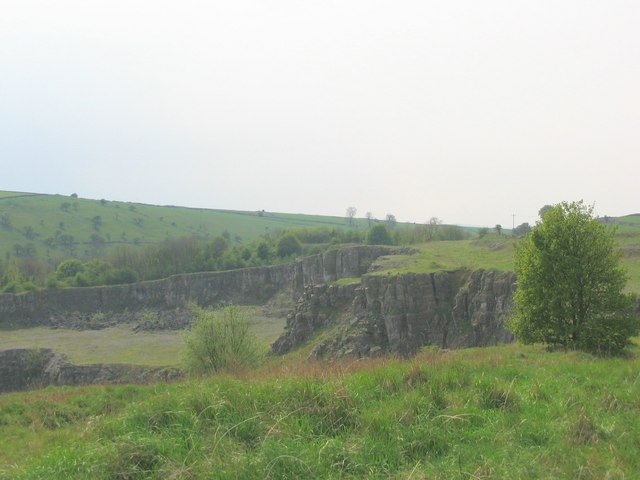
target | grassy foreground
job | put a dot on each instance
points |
(502, 412)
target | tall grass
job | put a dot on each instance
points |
(503, 412)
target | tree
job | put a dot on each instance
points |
(263, 251)
(498, 229)
(543, 211)
(391, 220)
(351, 213)
(521, 230)
(432, 227)
(97, 222)
(5, 220)
(482, 232)
(289, 244)
(570, 284)
(369, 217)
(379, 235)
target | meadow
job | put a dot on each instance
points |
(501, 412)
(49, 222)
(120, 344)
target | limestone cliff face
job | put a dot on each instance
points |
(401, 313)
(24, 369)
(249, 286)
(317, 308)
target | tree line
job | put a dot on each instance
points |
(128, 263)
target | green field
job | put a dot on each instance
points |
(494, 253)
(491, 252)
(494, 413)
(121, 345)
(44, 220)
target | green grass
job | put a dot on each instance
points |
(494, 253)
(491, 252)
(502, 412)
(121, 345)
(133, 223)
(629, 219)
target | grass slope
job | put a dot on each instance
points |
(501, 412)
(495, 253)
(34, 218)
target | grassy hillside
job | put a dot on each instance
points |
(503, 412)
(497, 253)
(47, 221)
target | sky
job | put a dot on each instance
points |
(464, 110)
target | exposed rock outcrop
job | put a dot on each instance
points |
(248, 286)
(24, 369)
(401, 313)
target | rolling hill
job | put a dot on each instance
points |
(55, 226)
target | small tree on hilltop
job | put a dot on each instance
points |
(351, 214)
(570, 284)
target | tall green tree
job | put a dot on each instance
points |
(570, 284)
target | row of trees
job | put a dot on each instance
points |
(127, 263)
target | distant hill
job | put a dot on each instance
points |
(54, 226)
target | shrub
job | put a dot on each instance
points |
(379, 235)
(69, 268)
(220, 340)
(288, 245)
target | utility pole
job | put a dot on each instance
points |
(513, 222)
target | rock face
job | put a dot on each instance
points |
(24, 369)
(316, 309)
(401, 313)
(249, 286)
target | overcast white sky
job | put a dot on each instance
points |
(463, 109)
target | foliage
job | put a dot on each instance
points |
(571, 284)
(379, 235)
(483, 232)
(521, 230)
(220, 340)
(351, 214)
(391, 220)
(429, 233)
(289, 245)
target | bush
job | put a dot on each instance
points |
(69, 268)
(379, 235)
(220, 340)
(289, 245)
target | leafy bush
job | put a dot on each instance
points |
(379, 235)
(288, 245)
(220, 340)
